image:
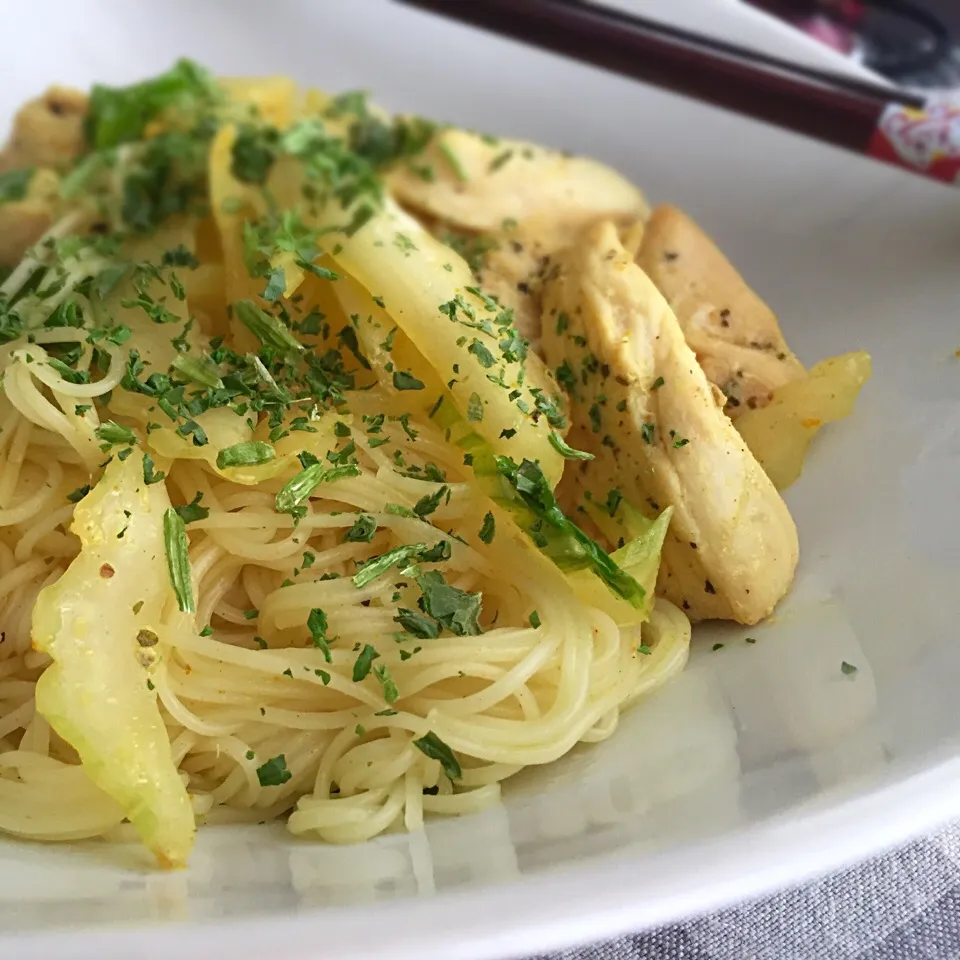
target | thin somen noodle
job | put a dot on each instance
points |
(293, 522)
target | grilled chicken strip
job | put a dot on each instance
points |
(476, 183)
(525, 203)
(47, 135)
(643, 406)
(734, 334)
(47, 131)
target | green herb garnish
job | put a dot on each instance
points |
(120, 114)
(418, 624)
(488, 529)
(317, 625)
(377, 566)
(558, 536)
(433, 747)
(456, 609)
(75, 496)
(193, 511)
(248, 453)
(390, 691)
(254, 152)
(274, 772)
(199, 369)
(428, 503)
(14, 184)
(364, 662)
(269, 330)
(150, 473)
(178, 559)
(475, 408)
(112, 434)
(363, 530)
(406, 381)
(565, 450)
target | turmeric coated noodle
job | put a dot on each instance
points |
(295, 519)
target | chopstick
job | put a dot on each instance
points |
(869, 118)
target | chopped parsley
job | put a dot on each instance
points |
(406, 381)
(428, 503)
(390, 691)
(565, 450)
(255, 150)
(150, 474)
(377, 566)
(192, 511)
(363, 530)
(75, 496)
(483, 355)
(538, 514)
(432, 746)
(248, 453)
(317, 625)
(274, 772)
(488, 529)
(453, 161)
(455, 609)
(120, 115)
(14, 184)
(276, 284)
(269, 330)
(178, 559)
(418, 624)
(112, 434)
(363, 663)
(475, 408)
(613, 501)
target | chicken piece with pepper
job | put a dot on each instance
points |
(47, 136)
(47, 131)
(734, 334)
(509, 205)
(644, 408)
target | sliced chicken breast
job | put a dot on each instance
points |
(47, 131)
(643, 406)
(734, 334)
(522, 201)
(477, 183)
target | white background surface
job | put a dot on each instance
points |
(762, 763)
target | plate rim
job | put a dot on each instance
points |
(575, 905)
(578, 903)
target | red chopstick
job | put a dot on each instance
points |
(868, 118)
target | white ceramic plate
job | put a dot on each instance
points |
(763, 763)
